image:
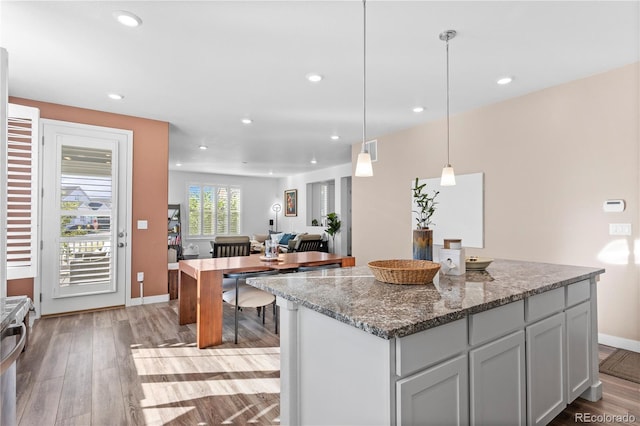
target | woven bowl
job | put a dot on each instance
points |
(404, 271)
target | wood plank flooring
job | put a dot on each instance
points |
(137, 366)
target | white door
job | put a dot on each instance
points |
(85, 228)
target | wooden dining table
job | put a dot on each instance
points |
(200, 285)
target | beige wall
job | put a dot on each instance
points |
(550, 159)
(150, 189)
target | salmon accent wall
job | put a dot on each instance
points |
(20, 287)
(150, 189)
(550, 159)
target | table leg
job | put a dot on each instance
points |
(348, 261)
(187, 299)
(209, 288)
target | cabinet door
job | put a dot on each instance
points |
(578, 321)
(546, 376)
(437, 396)
(498, 382)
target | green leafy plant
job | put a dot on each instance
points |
(333, 226)
(425, 203)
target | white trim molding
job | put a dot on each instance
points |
(619, 342)
(147, 300)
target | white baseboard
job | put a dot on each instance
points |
(149, 299)
(619, 342)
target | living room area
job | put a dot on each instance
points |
(317, 193)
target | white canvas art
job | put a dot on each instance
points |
(459, 212)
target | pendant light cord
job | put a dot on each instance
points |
(364, 76)
(447, 43)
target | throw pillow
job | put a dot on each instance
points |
(286, 238)
(277, 237)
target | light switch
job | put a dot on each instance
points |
(619, 229)
(142, 224)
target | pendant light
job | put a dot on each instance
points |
(448, 177)
(363, 165)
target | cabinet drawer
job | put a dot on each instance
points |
(578, 292)
(544, 304)
(496, 322)
(425, 348)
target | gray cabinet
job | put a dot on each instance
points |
(497, 374)
(578, 321)
(437, 396)
(546, 395)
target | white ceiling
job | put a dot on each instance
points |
(204, 65)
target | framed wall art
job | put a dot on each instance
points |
(291, 202)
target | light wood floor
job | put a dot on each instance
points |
(138, 366)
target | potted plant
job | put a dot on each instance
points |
(333, 227)
(422, 235)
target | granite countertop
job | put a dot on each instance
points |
(13, 310)
(354, 297)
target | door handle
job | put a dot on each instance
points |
(121, 244)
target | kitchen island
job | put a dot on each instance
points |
(510, 345)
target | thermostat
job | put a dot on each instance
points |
(613, 206)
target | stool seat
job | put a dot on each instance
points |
(242, 295)
(249, 297)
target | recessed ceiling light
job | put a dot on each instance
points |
(115, 96)
(418, 109)
(505, 80)
(335, 137)
(314, 78)
(178, 164)
(314, 161)
(247, 121)
(203, 147)
(127, 19)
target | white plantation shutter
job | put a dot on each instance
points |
(222, 202)
(234, 210)
(213, 210)
(22, 191)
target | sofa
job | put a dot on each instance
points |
(287, 242)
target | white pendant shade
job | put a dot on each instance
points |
(448, 177)
(363, 166)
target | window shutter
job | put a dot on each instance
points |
(213, 210)
(234, 211)
(208, 210)
(22, 191)
(222, 224)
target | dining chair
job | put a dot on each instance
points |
(235, 291)
(309, 242)
(223, 246)
(246, 296)
(229, 246)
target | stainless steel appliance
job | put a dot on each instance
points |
(13, 338)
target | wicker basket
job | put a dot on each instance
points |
(404, 271)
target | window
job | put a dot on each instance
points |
(22, 190)
(213, 210)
